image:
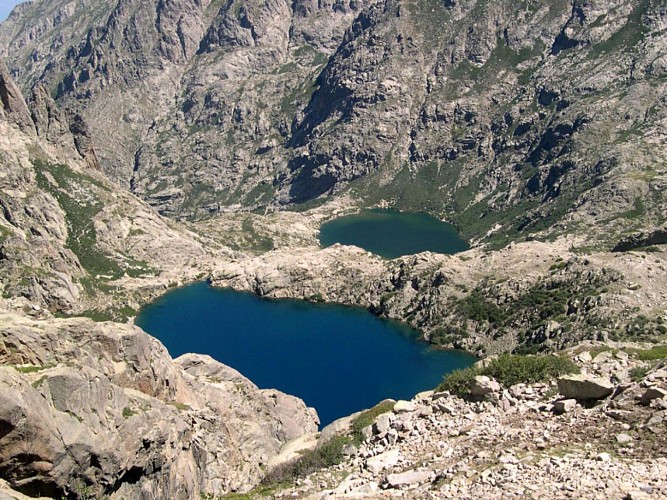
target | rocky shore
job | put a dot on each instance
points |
(523, 441)
(481, 301)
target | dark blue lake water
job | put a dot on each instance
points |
(337, 359)
(391, 234)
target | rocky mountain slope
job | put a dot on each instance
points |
(67, 235)
(516, 120)
(596, 435)
(511, 119)
(91, 410)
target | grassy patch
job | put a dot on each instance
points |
(257, 242)
(657, 352)
(76, 196)
(118, 314)
(128, 412)
(638, 373)
(600, 349)
(635, 213)
(31, 369)
(368, 417)
(510, 369)
(327, 455)
(261, 491)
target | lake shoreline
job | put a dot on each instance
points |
(288, 345)
(391, 234)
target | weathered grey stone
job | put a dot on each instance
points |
(383, 461)
(653, 393)
(565, 405)
(382, 424)
(367, 432)
(408, 478)
(585, 357)
(442, 406)
(482, 385)
(623, 439)
(404, 406)
(584, 387)
(440, 395)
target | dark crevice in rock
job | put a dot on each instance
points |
(656, 237)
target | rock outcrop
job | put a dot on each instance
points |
(583, 387)
(531, 296)
(100, 409)
(13, 107)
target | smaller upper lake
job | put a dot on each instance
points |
(392, 234)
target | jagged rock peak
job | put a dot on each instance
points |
(14, 107)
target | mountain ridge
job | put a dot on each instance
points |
(522, 128)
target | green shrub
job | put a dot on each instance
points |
(327, 455)
(639, 372)
(476, 307)
(458, 382)
(128, 412)
(510, 369)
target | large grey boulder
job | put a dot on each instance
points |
(408, 478)
(584, 387)
(565, 405)
(653, 393)
(383, 461)
(482, 385)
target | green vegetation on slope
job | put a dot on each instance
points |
(510, 369)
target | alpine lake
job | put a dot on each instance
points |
(338, 359)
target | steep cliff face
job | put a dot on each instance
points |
(508, 118)
(100, 409)
(67, 235)
(201, 66)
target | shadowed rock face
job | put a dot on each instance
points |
(503, 116)
(13, 105)
(106, 410)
